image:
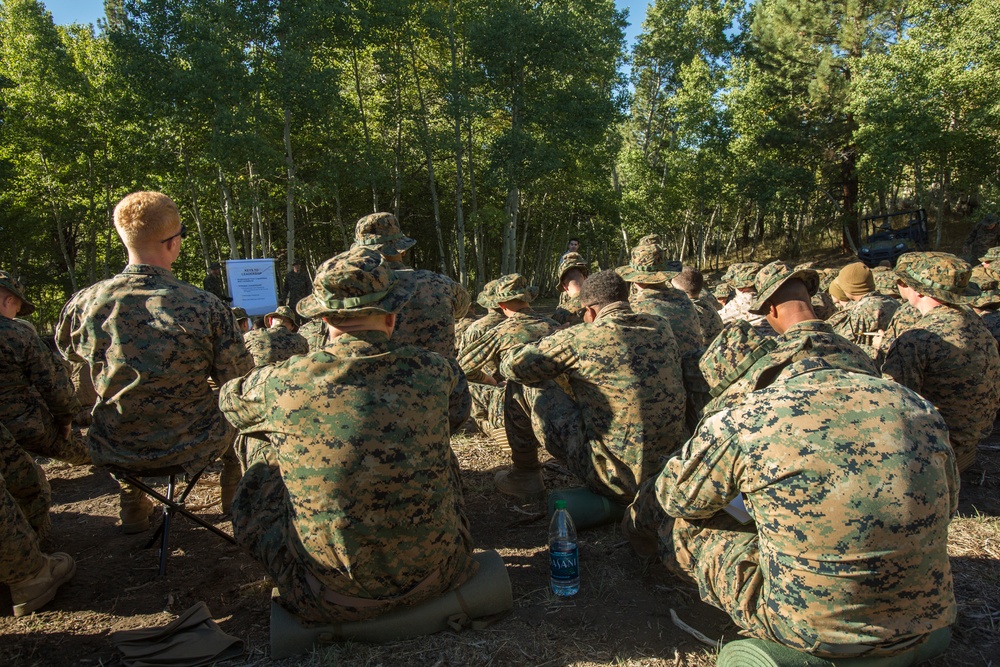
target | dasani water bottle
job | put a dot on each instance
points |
(564, 561)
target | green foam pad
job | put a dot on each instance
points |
(587, 508)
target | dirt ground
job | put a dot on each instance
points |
(620, 617)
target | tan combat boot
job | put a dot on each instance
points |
(525, 484)
(36, 591)
(136, 509)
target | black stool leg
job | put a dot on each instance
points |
(168, 514)
(6, 601)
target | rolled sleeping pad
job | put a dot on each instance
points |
(762, 653)
(487, 593)
(587, 508)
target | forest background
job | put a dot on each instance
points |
(493, 129)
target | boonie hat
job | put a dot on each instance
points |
(13, 286)
(568, 262)
(885, 281)
(354, 284)
(284, 312)
(381, 232)
(939, 275)
(773, 276)
(513, 287)
(741, 275)
(240, 314)
(988, 282)
(992, 255)
(723, 291)
(485, 298)
(651, 239)
(647, 265)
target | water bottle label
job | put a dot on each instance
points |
(564, 566)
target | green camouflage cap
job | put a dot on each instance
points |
(939, 275)
(13, 286)
(568, 262)
(988, 282)
(885, 281)
(485, 298)
(354, 284)
(741, 275)
(723, 291)
(283, 312)
(648, 266)
(240, 314)
(731, 354)
(513, 287)
(992, 255)
(381, 232)
(773, 276)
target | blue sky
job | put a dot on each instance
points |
(88, 11)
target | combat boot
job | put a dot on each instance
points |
(525, 484)
(136, 509)
(36, 591)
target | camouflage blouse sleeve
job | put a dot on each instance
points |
(460, 400)
(705, 476)
(51, 379)
(243, 400)
(904, 362)
(545, 360)
(476, 355)
(231, 357)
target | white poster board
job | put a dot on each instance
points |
(253, 285)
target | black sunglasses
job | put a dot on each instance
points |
(183, 234)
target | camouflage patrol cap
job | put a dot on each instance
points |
(381, 232)
(513, 287)
(992, 255)
(485, 298)
(13, 286)
(731, 354)
(773, 276)
(939, 275)
(354, 284)
(648, 266)
(988, 282)
(285, 313)
(741, 275)
(568, 262)
(240, 314)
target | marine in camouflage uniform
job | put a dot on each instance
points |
(477, 329)
(314, 331)
(949, 357)
(569, 312)
(296, 286)
(987, 304)
(625, 414)
(522, 325)
(428, 319)
(653, 294)
(822, 302)
(691, 281)
(871, 311)
(985, 235)
(850, 484)
(353, 500)
(213, 282)
(741, 277)
(152, 342)
(37, 399)
(273, 345)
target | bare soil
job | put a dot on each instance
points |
(620, 617)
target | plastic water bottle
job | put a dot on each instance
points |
(564, 561)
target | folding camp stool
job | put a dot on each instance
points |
(171, 505)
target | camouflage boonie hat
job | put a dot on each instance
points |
(568, 262)
(380, 231)
(8, 282)
(992, 255)
(939, 275)
(513, 287)
(240, 314)
(988, 282)
(651, 239)
(723, 291)
(731, 354)
(648, 266)
(283, 312)
(885, 281)
(742, 274)
(485, 298)
(773, 276)
(354, 284)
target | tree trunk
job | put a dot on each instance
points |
(227, 203)
(60, 232)
(195, 210)
(463, 277)
(290, 195)
(511, 208)
(364, 127)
